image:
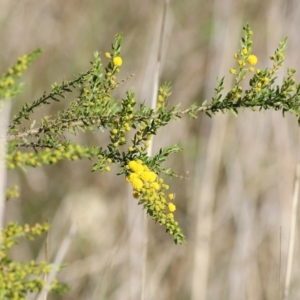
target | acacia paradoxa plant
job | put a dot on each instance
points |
(131, 127)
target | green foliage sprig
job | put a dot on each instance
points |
(263, 92)
(17, 279)
(131, 128)
(8, 85)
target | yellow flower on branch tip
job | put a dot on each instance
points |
(107, 54)
(232, 71)
(251, 69)
(252, 59)
(117, 61)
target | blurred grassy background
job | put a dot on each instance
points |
(240, 170)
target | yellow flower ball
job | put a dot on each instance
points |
(165, 186)
(148, 176)
(155, 186)
(117, 61)
(245, 51)
(160, 98)
(170, 216)
(252, 59)
(137, 184)
(171, 196)
(133, 176)
(152, 177)
(171, 207)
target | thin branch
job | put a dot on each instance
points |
(65, 88)
(96, 121)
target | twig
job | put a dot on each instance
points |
(96, 121)
(64, 87)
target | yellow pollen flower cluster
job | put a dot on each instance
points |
(140, 176)
(150, 190)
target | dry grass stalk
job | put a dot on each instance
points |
(150, 149)
(62, 251)
(292, 234)
(4, 122)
